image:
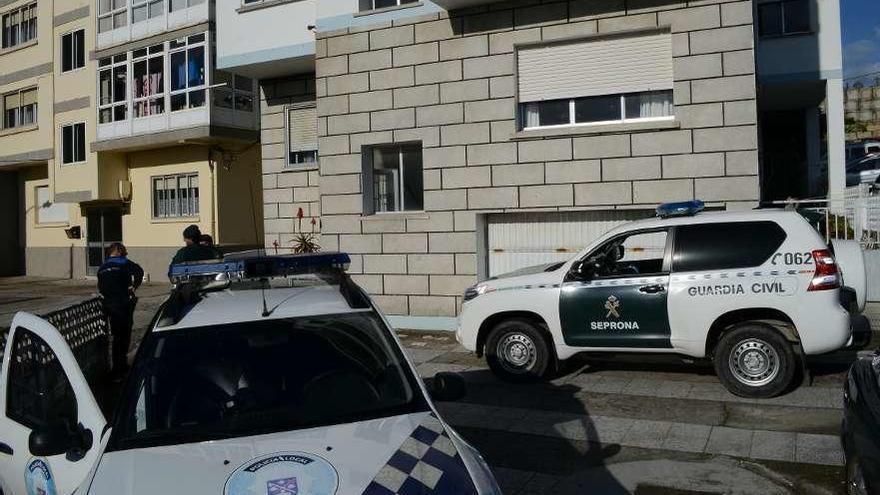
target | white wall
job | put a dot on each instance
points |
(817, 52)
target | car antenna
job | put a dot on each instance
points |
(266, 311)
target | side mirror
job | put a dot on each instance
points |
(583, 269)
(448, 387)
(58, 438)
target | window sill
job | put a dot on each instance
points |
(27, 44)
(785, 35)
(19, 129)
(262, 5)
(396, 215)
(295, 168)
(176, 220)
(51, 225)
(596, 129)
(388, 9)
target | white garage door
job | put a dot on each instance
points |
(518, 240)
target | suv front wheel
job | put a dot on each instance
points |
(754, 360)
(517, 351)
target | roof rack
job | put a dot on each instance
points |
(680, 209)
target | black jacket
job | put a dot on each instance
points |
(117, 277)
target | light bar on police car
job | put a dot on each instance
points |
(680, 209)
(260, 266)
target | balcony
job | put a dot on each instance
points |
(138, 19)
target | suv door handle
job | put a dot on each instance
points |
(5, 449)
(652, 289)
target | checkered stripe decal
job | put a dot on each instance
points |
(426, 463)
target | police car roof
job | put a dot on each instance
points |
(710, 217)
(238, 305)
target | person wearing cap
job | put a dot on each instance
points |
(194, 250)
(118, 279)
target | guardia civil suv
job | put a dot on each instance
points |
(753, 291)
(249, 381)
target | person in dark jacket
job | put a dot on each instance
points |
(118, 279)
(194, 250)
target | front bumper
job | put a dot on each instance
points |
(861, 333)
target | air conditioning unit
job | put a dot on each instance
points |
(125, 190)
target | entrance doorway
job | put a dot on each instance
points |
(104, 227)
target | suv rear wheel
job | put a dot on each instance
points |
(754, 360)
(516, 350)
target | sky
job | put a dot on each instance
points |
(860, 23)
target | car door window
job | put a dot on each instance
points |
(39, 392)
(641, 253)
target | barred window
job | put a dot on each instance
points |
(176, 196)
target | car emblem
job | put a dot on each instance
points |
(284, 486)
(612, 305)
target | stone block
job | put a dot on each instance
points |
(270, 181)
(438, 30)
(431, 178)
(372, 60)
(293, 179)
(352, 43)
(451, 285)
(680, 45)
(278, 225)
(452, 113)
(460, 177)
(445, 200)
(491, 154)
(727, 188)
(574, 171)
(452, 156)
(333, 145)
(661, 191)
(614, 145)
(431, 263)
(740, 112)
(733, 14)
(383, 224)
(416, 54)
(502, 86)
(697, 67)
(406, 284)
(360, 243)
(742, 162)
(552, 195)
(723, 89)
(469, 46)
(391, 305)
(347, 124)
(330, 105)
(545, 150)
(358, 141)
(392, 119)
(416, 96)
(340, 204)
(429, 136)
(405, 243)
(661, 143)
(464, 134)
(603, 193)
(387, 38)
(681, 92)
(464, 220)
(628, 22)
(502, 130)
(438, 72)
(691, 19)
(392, 78)
(631, 168)
(490, 22)
(580, 10)
(278, 195)
(466, 264)
(721, 40)
(504, 42)
(479, 111)
(373, 100)
(738, 63)
(496, 197)
(493, 65)
(705, 115)
(726, 139)
(340, 224)
(372, 284)
(693, 165)
(477, 89)
(341, 184)
(436, 221)
(331, 66)
(432, 306)
(349, 83)
(518, 174)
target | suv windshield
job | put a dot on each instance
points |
(258, 377)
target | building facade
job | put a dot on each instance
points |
(862, 106)
(459, 139)
(135, 136)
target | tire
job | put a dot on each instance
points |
(517, 351)
(754, 360)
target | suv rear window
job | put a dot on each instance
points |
(719, 246)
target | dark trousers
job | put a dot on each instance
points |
(121, 315)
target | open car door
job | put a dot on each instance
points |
(50, 423)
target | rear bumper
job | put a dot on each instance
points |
(861, 333)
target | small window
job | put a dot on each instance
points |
(112, 89)
(175, 5)
(141, 10)
(641, 253)
(605, 109)
(19, 25)
(49, 212)
(187, 61)
(302, 136)
(381, 4)
(39, 392)
(112, 14)
(720, 246)
(783, 17)
(73, 50)
(73, 143)
(19, 108)
(148, 74)
(176, 196)
(394, 178)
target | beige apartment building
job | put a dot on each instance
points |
(116, 128)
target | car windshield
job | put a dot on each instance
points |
(264, 376)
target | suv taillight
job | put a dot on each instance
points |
(826, 276)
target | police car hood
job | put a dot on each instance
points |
(407, 454)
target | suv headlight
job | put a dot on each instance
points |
(477, 290)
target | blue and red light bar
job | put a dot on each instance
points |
(259, 266)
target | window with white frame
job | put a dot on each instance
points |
(148, 81)
(47, 211)
(601, 80)
(19, 108)
(188, 81)
(393, 179)
(112, 88)
(175, 5)
(19, 25)
(233, 91)
(381, 4)
(73, 50)
(73, 143)
(784, 17)
(176, 196)
(112, 14)
(141, 10)
(302, 136)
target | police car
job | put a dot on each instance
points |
(260, 375)
(754, 291)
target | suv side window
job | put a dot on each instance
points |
(640, 253)
(39, 393)
(720, 246)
